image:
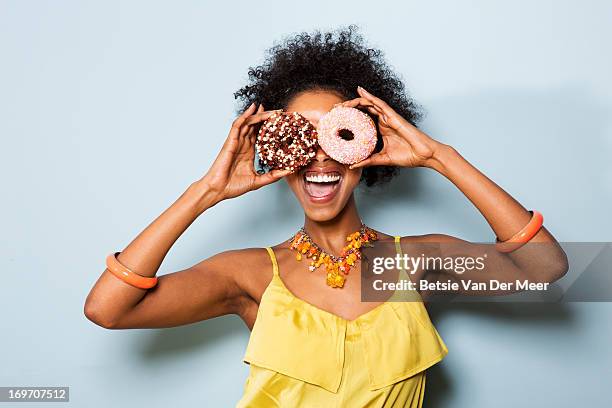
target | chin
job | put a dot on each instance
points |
(322, 214)
(323, 189)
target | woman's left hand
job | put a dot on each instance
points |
(404, 144)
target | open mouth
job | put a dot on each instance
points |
(321, 186)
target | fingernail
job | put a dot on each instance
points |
(253, 104)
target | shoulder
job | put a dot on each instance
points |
(410, 239)
(429, 238)
(282, 252)
(427, 243)
(241, 259)
(249, 269)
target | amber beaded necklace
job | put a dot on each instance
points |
(336, 267)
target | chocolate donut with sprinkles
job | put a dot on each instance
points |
(286, 141)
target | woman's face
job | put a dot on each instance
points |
(324, 186)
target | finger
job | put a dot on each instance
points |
(270, 177)
(363, 163)
(364, 104)
(251, 136)
(374, 160)
(374, 112)
(357, 102)
(248, 133)
(248, 111)
(255, 118)
(234, 134)
(246, 139)
(251, 121)
(260, 109)
(242, 145)
(259, 117)
(387, 113)
(237, 123)
(384, 106)
(376, 100)
(244, 126)
(232, 142)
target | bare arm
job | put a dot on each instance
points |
(207, 289)
(407, 146)
(544, 261)
(179, 297)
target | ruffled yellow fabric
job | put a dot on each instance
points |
(304, 356)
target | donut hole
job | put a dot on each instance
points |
(289, 141)
(346, 134)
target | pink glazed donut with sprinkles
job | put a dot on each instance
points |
(347, 135)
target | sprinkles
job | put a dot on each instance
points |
(347, 134)
(286, 141)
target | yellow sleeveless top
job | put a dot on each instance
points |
(303, 356)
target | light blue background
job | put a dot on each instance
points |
(110, 109)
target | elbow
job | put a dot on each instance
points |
(549, 268)
(93, 314)
(563, 269)
(557, 268)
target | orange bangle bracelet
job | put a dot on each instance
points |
(126, 275)
(523, 236)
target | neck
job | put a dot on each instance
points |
(331, 235)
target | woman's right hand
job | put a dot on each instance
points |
(233, 173)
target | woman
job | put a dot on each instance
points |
(312, 344)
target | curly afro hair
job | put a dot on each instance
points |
(336, 61)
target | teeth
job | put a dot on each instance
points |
(322, 178)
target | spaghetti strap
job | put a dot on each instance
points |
(273, 259)
(410, 295)
(398, 250)
(398, 247)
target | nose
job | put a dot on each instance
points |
(321, 156)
